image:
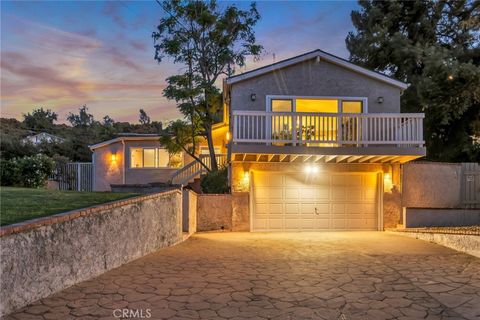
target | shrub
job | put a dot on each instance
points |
(29, 171)
(215, 181)
(9, 173)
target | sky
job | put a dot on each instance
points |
(62, 55)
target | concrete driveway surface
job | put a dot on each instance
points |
(329, 275)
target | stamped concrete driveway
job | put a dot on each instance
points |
(334, 275)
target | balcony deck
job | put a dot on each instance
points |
(327, 137)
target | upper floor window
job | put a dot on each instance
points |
(154, 158)
(320, 105)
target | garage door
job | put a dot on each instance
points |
(325, 201)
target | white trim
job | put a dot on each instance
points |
(322, 56)
(380, 201)
(122, 139)
(269, 99)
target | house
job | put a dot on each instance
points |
(316, 141)
(42, 137)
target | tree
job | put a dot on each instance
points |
(40, 119)
(82, 119)
(144, 119)
(434, 46)
(208, 42)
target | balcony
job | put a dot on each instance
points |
(384, 137)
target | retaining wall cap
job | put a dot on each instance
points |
(77, 213)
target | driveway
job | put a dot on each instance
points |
(329, 275)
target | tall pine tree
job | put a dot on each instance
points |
(434, 46)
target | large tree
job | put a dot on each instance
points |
(209, 42)
(434, 46)
(40, 119)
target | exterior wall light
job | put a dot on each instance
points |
(253, 97)
(450, 77)
(113, 157)
(387, 182)
(228, 136)
(380, 100)
(311, 169)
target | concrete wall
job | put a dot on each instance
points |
(423, 217)
(310, 78)
(431, 185)
(43, 256)
(189, 224)
(223, 212)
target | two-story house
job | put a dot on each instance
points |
(317, 142)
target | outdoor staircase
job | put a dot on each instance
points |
(192, 171)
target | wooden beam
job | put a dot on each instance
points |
(293, 157)
(353, 159)
(365, 158)
(377, 159)
(341, 158)
(270, 157)
(305, 159)
(282, 157)
(329, 159)
(320, 159)
(388, 159)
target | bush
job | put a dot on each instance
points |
(9, 173)
(215, 181)
(29, 171)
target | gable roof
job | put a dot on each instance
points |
(322, 55)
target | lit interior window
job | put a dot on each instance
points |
(352, 106)
(317, 105)
(148, 158)
(163, 158)
(136, 157)
(281, 105)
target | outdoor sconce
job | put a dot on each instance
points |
(114, 157)
(311, 169)
(227, 136)
(450, 77)
(380, 99)
(253, 97)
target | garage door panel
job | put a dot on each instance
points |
(340, 201)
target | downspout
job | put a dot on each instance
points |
(123, 162)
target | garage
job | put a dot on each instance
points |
(297, 201)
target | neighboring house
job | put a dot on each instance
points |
(43, 137)
(316, 141)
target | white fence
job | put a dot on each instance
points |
(328, 129)
(76, 176)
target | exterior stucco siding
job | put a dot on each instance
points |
(106, 171)
(310, 78)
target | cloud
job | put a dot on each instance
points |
(141, 46)
(112, 10)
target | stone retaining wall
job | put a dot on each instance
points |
(468, 243)
(45, 255)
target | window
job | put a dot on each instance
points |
(282, 105)
(351, 106)
(154, 158)
(317, 105)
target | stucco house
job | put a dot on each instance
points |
(315, 141)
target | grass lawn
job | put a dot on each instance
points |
(19, 204)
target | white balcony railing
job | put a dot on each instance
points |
(328, 129)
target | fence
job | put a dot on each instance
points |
(76, 176)
(470, 185)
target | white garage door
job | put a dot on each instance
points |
(325, 201)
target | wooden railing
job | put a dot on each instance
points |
(194, 169)
(328, 129)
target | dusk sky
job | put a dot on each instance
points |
(61, 55)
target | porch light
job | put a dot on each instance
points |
(227, 136)
(113, 157)
(311, 169)
(380, 99)
(450, 77)
(387, 182)
(246, 177)
(253, 97)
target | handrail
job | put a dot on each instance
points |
(195, 169)
(334, 129)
